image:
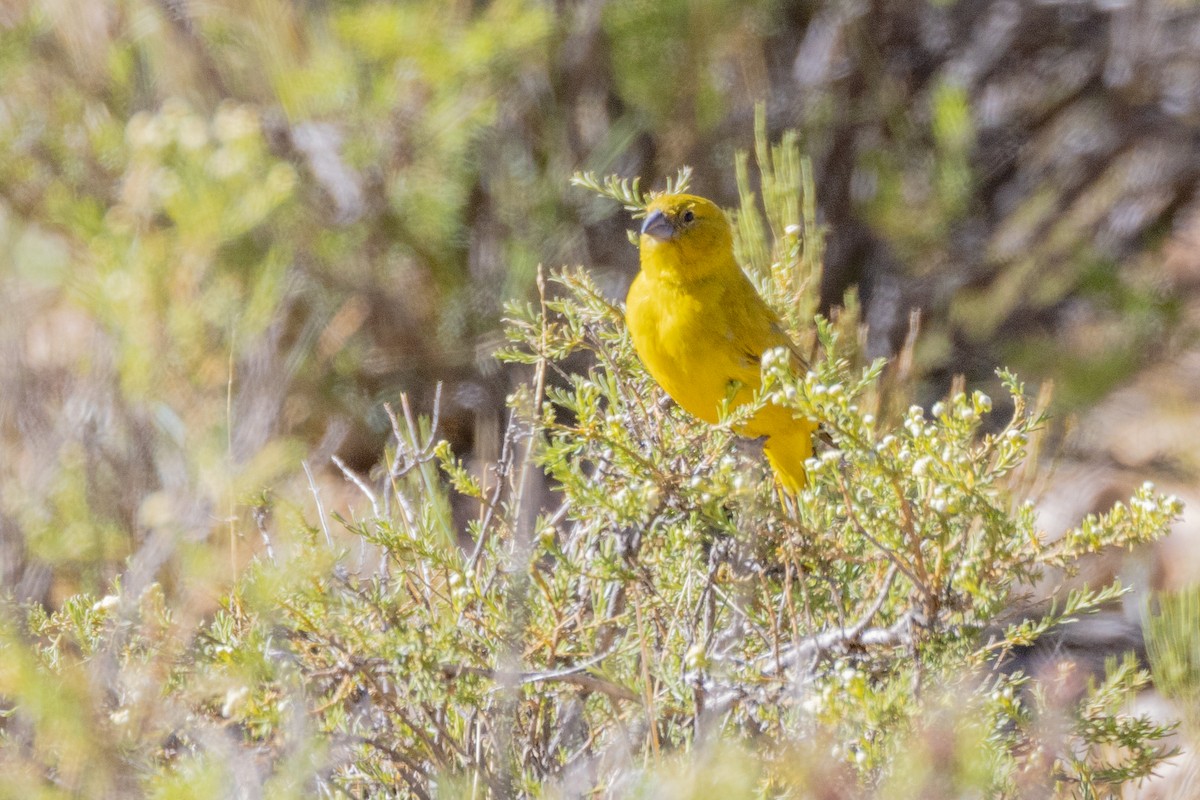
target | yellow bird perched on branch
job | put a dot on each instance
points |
(701, 329)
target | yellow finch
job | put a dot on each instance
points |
(701, 329)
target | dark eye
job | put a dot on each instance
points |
(688, 216)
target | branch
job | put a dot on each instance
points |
(576, 675)
(895, 635)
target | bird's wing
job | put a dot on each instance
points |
(755, 328)
(799, 362)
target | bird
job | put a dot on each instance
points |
(700, 328)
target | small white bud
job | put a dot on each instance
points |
(106, 603)
(233, 699)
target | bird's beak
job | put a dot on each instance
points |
(658, 226)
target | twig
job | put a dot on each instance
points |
(408, 766)
(576, 675)
(857, 629)
(316, 493)
(503, 467)
(261, 515)
(519, 504)
(359, 482)
(648, 687)
(407, 458)
(892, 636)
(891, 556)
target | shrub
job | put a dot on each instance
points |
(631, 609)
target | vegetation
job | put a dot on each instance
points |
(655, 618)
(242, 242)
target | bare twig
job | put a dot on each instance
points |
(898, 633)
(316, 493)
(576, 675)
(353, 477)
(262, 514)
(503, 468)
(857, 628)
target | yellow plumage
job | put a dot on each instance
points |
(700, 327)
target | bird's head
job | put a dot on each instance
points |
(686, 235)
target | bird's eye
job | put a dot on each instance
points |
(688, 215)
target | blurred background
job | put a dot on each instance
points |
(229, 232)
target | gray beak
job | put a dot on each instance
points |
(658, 226)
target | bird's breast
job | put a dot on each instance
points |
(680, 336)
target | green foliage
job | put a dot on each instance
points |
(629, 193)
(782, 253)
(209, 225)
(620, 603)
(1118, 746)
(194, 194)
(922, 180)
(667, 57)
(1173, 645)
(629, 626)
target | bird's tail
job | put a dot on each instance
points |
(787, 451)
